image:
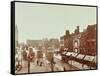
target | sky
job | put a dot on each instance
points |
(38, 21)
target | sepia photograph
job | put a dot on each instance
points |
(52, 37)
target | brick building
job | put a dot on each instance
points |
(88, 40)
(76, 40)
(80, 47)
(66, 42)
(80, 42)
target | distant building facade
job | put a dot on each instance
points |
(34, 43)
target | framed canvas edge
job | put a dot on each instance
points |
(12, 66)
(12, 61)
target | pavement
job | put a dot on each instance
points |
(59, 66)
(46, 67)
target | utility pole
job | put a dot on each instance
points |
(29, 58)
(28, 66)
(52, 63)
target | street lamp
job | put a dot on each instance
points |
(52, 64)
(30, 56)
(71, 60)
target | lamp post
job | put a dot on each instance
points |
(52, 64)
(71, 60)
(30, 56)
(28, 66)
